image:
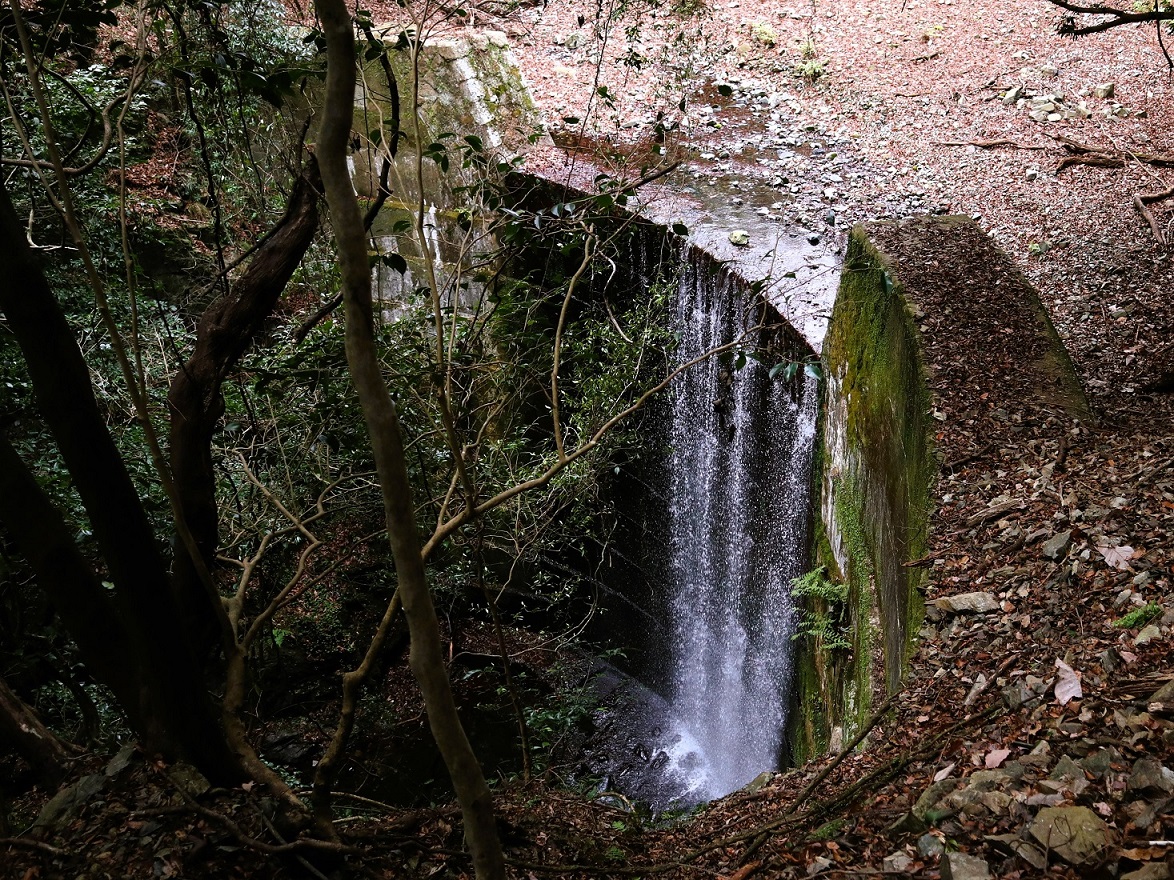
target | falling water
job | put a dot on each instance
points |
(739, 474)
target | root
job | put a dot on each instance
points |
(1106, 157)
(1142, 201)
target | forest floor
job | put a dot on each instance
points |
(1029, 737)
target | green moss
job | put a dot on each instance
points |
(879, 495)
(1139, 617)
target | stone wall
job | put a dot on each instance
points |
(874, 475)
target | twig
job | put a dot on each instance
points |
(847, 750)
(1142, 201)
(302, 843)
(986, 145)
(29, 843)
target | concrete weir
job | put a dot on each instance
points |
(912, 295)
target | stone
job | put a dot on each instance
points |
(930, 847)
(1100, 762)
(813, 239)
(1013, 95)
(1149, 775)
(740, 238)
(932, 796)
(996, 801)
(960, 866)
(1104, 90)
(1075, 834)
(1013, 843)
(1032, 173)
(1164, 694)
(1066, 768)
(907, 824)
(1148, 634)
(121, 761)
(968, 603)
(1057, 545)
(188, 779)
(758, 782)
(1149, 871)
(899, 862)
(818, 864)
(63, 805)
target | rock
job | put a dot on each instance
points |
(1013, 843)
(1075, 834)
(758, 782)
(899, 862)
(1032, 173)
(1164, 694)
(813, 239)
(968, 603)
(1099, 762)
(1013, 95)
(1149, 871)
(121, 761)
(960, 866)
(1149, 775)
(819, 863)
(1057, 545)
(1066, 768)
(930, 847)
(907, 824)
(1104, 90)
(932, 796)
(1148, 634)
(995, 801)
(740, 238)
(68, 801)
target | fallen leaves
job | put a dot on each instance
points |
(1067, 684)
(1117, 557)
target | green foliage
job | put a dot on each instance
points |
(764, 34)
(1139, 617)
(824, 615)
(816, 585)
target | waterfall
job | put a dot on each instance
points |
(739, 481)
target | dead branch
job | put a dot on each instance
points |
(1091, 154)
(28, 843)
(1115, 18)
(987, 145)
(1142, 201)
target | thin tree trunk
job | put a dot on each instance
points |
(42, 537)
(226, 329)
(30, 738)
(174, 708)
(427, 657)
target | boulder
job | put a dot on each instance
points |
(1076, 834)
(968, 603)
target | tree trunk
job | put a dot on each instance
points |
(225, 331)
(174, 709)
(427, 657)
(45, 541)
(28, 737)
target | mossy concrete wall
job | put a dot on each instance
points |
(469, 84)
(874, 474)
(461, 91)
